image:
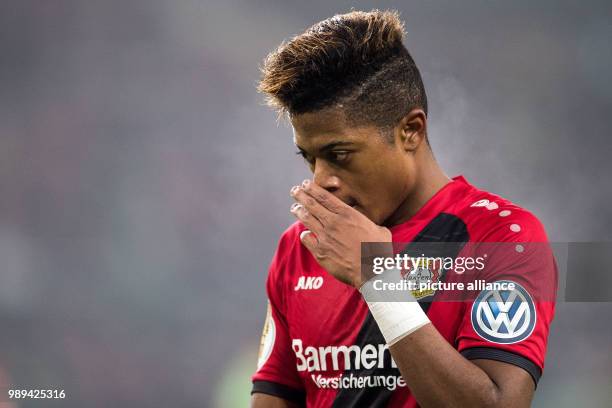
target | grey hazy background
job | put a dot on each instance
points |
(143, 185)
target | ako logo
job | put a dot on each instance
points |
(424, 270)
(309, 283)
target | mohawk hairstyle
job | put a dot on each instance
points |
(354, 61)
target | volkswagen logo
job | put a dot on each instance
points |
(504, 316)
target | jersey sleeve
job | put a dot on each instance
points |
(276, 367)
(510, 323)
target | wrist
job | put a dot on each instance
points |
(396, 312)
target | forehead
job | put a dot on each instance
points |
(312, 130)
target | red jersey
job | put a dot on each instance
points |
(321, 346)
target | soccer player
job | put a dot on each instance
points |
(358, 109)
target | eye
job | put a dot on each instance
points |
(339, 156)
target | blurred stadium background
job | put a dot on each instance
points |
(143, 185)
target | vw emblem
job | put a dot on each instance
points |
(504, 316)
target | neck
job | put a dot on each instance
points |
(430, 180)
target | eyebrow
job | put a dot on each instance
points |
(329, 146)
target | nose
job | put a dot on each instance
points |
(325, 177)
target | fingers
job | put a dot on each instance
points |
(324, 197)
(309, 240)
(311, 205)
(310, 221)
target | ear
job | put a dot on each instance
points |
(411, 131)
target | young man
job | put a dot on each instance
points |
(358, 109)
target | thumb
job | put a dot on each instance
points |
(309, 240)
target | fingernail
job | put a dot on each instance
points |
(294, 207)
(305, 183)
(294, 190)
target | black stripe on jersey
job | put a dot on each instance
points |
(443, 228)
(447, 235)
(367, 397)
(281, 391)
(489, 353)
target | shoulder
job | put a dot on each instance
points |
(491, 218)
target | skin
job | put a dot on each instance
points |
(362, 184)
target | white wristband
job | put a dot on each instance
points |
(396, 312)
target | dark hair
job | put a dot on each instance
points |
(355, 61)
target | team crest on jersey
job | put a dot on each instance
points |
(422, 271)
(504, 316)
(267, 339)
